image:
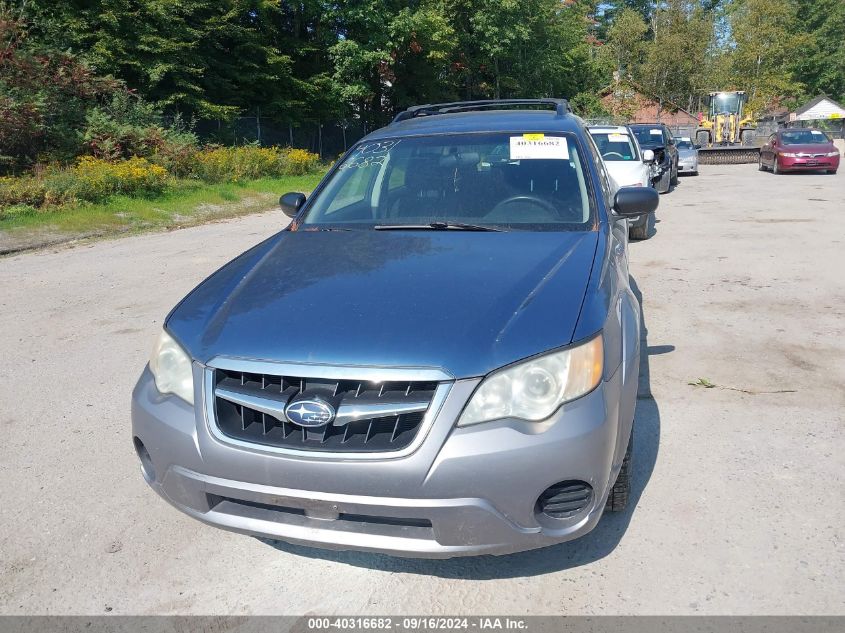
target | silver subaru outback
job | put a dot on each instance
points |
(438, 357)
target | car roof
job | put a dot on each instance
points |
(481, 121)
(615, 129)
(647, 125)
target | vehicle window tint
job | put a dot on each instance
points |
(510, 180)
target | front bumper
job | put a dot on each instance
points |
(688, 167)
(786, 163)
(464, 491)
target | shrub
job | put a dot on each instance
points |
(93, 179)
(26, 190)
(298, 162)
(129, 126)
(90, 180)
(236, 164)
(17, 211)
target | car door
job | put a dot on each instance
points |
(767, 151)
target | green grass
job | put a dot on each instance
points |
(185, 204)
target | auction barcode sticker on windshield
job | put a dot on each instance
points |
(617, 138)
(538, 146)
(655, 131)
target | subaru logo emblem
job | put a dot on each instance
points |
(310, 412)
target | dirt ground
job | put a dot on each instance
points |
(739, 502)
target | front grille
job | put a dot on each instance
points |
(371, 416)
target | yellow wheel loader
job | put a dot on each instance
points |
(726, 134)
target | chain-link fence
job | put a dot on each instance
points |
(329, 139)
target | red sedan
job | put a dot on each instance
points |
(799, 149)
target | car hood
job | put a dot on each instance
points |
(809, 148)
(465, 302)
(628, 173)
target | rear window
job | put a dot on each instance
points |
(504, 180)
(614, 146)
(650, 135)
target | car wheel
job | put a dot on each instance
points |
(674, 179)
(617, 500)
(640, 232)
(775, 167)
(760, 164)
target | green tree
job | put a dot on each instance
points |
(677, 58)
(821, 65)
(765, 47)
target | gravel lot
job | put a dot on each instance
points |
(739, 504)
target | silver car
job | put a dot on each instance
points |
(687, 156)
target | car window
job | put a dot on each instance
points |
(804, 137)
(505, 180)
(684, 145)
(605, 180)
(614, 146)
(649, 135)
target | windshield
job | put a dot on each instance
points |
(726, 102)
(649, 136)
(804, 137)
(506, 181)
(684, 144)
(614, 146)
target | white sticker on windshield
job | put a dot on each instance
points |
(817, 133)
(656, 131)
(539, 146)
(617, 138)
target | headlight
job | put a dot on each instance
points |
(789, 155)
(535, 389)
(835, 153)
(171, 368)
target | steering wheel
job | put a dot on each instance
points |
(609, 154)
(547, 211)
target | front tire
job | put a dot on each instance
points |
(617, 500)
(776, 167)
(673, 181)
(760, 165)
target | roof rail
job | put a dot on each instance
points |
(561, 107)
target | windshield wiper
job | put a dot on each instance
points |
(435, 226)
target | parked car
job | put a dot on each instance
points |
(629, 166)
(687, 156)
(799, 149)
(658, 138)
(438, 357)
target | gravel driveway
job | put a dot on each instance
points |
(739, 504)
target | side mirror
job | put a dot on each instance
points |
(291, 203)
(631, 202)
(648, 156)
(697, 146)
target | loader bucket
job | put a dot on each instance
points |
(728, 155)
